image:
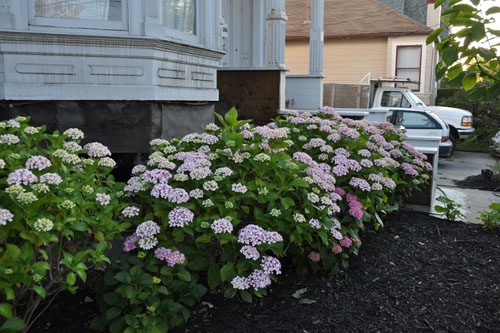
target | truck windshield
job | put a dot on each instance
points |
(416, 101)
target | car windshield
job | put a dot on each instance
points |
(417, 101)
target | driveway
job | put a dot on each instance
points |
(459, 167)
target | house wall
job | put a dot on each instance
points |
(345, 61)
(426, 76)
(123, 86)
(297, 57)
(348, 61)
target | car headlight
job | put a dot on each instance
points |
(466, 121)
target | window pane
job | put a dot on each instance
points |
(180, 15)
(412, 74)
(408, 65)
(102, 10)
(409, 57)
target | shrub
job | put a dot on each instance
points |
(57, 216)
(491, 218)
(486, 115)
(225, 208)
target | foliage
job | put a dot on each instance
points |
(486, 114)
(450, 208)
(491, 218)
(231, 204)
(469, 53)
(147, 296)
(57, 216)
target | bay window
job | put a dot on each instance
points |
(180, 15)
(91, 14)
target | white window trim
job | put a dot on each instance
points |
(410, 42)
(39, 23)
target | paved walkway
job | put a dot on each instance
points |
(459, 167)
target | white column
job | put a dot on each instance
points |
(316, 38)
(258, 35)
(275, 39)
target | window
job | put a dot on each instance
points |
(408, 64)
(394, 99)
(180, 15)
(415, 120)
(92, 14)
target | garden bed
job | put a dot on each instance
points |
(417, 273)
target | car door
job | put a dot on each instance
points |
(416, 123)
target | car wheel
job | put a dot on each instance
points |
(453, 138)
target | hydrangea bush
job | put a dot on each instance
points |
(58, 204)
(225, 209)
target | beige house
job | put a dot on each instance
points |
(363, 40)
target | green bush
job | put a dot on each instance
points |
(486, 115)
(223, 210)
(58, 210)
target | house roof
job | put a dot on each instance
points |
(351, 19)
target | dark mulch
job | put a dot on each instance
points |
(484, 181)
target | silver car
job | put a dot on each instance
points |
(423, 123)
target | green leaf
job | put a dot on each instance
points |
(79, 226)
(299, 182)
(495, 206)
(221, 119)
(450, 55)
(13, 251)
(230, 293)
(439, 3)
(178, 235)
(231, 116)
(111, 298)
(307, 301)
(469, 80)
(71, 278)
(478, 31)
(14, 324)
(184, 275)
(492, 10)
(287, 202)
(246, 296)
(6, 310)
(439, 209)
(433, 35)
(298, 293)
(130, 292)
(213, 275)
(40, 291)
(113, 313)
(9, 293)
(227, 272)
(204, 238)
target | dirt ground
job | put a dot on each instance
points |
(418, 273)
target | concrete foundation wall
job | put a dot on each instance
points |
(123, 126)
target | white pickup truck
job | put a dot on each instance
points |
(459, 121)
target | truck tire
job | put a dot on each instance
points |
(453, 138)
